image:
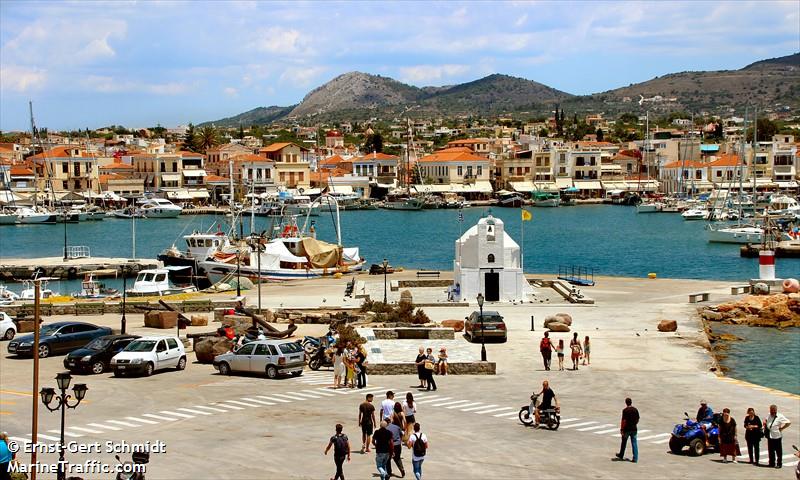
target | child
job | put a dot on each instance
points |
(560, 352)
(586, 349)
(442, 364)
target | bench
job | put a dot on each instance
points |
(428, 273)
(737, 289)
(702, 296)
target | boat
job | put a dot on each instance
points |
(29, 288)
(402, 201)
(509, 199)
(129, 212)
(200, 246)
(8, 217)
(545, 199)
(90, 288)
(27, 215)
(7, 296)
(783, 206)
(569, 197)
(156, 281)
(159, 208)
(742, 233)
(697, 213)
(650, 207)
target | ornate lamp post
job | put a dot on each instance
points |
(483, 336)
(385, 264)
(48, 394)
(123, 321)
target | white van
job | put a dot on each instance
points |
(145, 355)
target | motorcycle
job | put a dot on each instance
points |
(320, 358)
(694, 435)
(130, 470)
(310, 344)
(550, 417)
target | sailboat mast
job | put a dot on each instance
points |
(755, 128)
(408, 159)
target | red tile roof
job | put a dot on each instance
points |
(378, 156)
(726, 160)
(117, 166)
(275, 147)
(20, 170)
(462, 154)
(686, 164)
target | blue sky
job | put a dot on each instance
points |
(139, 63)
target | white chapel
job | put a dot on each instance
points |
(488, 261)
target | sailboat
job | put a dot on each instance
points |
(402, 199)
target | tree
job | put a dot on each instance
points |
(208, 138)
(190, 139)
(599, 134)
(374, 143)
(766, 129)
(240, 135)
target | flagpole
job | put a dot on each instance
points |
(522, 240)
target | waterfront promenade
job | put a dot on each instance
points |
(277, 429)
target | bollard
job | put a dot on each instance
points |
(532, 323)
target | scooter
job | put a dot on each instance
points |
(132, 470)
(319, 359)
(550, 417)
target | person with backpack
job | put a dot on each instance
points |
(341, 450)
(418, 443)
(382, 440)
(546, 349)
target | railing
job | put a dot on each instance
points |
(77, 251)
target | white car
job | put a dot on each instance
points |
(145, 355)
(7, 327)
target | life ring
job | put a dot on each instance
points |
(288, 231)
(72, 273)
(39, 272)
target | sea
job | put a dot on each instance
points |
(603, 239)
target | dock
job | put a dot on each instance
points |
(785, 249)
(206, 211)
(18, 269)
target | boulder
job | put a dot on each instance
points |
(558, 327)
(405, 296)
(239, 323)
(712, 315)
(199, 320)
(456, 325)
(206, 349)
(760, 288)
(160, 319)
(564, 318)
(550, 319)
(667, 326)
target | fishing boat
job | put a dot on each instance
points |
(156, 281)
(200, 246)
(159, 208)
(129, 212)
(91, 288)
(509, 199)
(298, 205)
(545, 199)
(29, 288)
(402, 201)
(650, 206)
(7, 296)
(783, 206)
(569, 197)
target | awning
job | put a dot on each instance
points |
(199, 194)
(523, 186)
(179, 195)
(614, 185)
(546, 186)
(611, 168)
(588, 185)
(194, 173)
(477, 187)
(170, 177)
(790, 184)
(7, 196)
(563, 182)
(341, 189)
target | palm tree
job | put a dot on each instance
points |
(207, 138)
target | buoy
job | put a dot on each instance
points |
(651, 275)
(766, 265)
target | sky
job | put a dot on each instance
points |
(143, 63)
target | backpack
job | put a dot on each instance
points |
(340, 445)
(419, 447)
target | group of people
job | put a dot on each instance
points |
(398, 427)
(578, 351)
(755, 429)
(349, 366)
(428, 365)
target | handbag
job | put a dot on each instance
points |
(766, 428)
(428, 365)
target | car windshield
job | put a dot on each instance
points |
(140, 346)
(48, 330)
(98, 344)
(290, 348)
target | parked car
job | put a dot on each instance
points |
(493, 326)
(145, 355)
(377, 269)
(272, 357)
(58, 337)
(7, 327)
(95, 357)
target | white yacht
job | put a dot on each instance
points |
(735, 233)
(156, 282)
(698, 213)
(159, 208)
(8, 217)
(29, 215)
(650, 207)
(402, 202)
(300, 205)
(783, 206)
(29, 289)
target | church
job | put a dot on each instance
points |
(488, 261)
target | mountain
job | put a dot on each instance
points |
(788, 60)
(256, 116)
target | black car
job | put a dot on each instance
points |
(58, 337)
(96, 355)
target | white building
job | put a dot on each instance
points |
(488, 261)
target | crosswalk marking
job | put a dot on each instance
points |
(491, 410)
(594, 427)
(437, 404)
(141, 420)
(176, 414)
(567, 420)
(196, 412)
(87, 430)
(232, 407)
(124, 424)
(465, 405)
(610, 430)
(100, 425)
(213, 409)
(66, 433)
(662, 441)
(506, 414)
(431, 399)
(618, 435)
(372, 390)
(577, 425)
(303, 395)
(320, 392)
(237, 402)
(48, 437)
(287, 396)
(480, 407)
(655, 436)
(157, 417)
(263, 402)
(280, 400)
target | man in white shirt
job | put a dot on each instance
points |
(774, 425)
(387, 406)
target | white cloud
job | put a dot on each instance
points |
(21, 79)
(65, 41)
(230, 92)
(521, 20)
(431, 73)
(279, 40)
(300, 76)
(108, 84)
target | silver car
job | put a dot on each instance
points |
(272, 357)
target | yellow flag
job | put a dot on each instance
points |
(526, 216)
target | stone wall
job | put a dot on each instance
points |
(414, 333)
(455, 368)
(423, 283)
(101, 308)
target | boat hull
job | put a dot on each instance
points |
(729, 235)
(549, 203)
(217, 271)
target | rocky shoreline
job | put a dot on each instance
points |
(779, 311)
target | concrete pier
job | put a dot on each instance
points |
(24, 268)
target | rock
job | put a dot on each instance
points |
(158, 319)
(550, 319)
(199, 320)
(564, 318)
(726, 307)
(558, 327)
(238, 323)
(206, 349)
(712, 315)
(456, 325)
(760, 288)
(667, 326)
(405, 296)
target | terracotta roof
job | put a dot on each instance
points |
(452, 155)
(596, 144)
(275, 147)
(467, 141)
(686, 164)
(117, 166)
(216, 178)
(725, 160)
(56, 152)
(250, 157)
(334, 133)
(186, 153)
(6, 149)
(621, 156)
(378, 156)
(20, 170)
(334, 160)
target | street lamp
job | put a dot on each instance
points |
(483, 335)
(385, 264)
(48, 394)
(124, 322)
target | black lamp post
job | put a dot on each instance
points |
(483, 335)
(124, 322)
(385, 264)
(239, 270)
(48, 394)
(64, 217)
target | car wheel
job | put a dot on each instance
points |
(44, 350)
(224, 369)
(10, 334)
(272, 372)
(148, 369)
(697, 447)
(98, 367)
(181, 364)
(297, 374)
(675, 445)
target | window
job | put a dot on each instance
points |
(510, 170)
(282, 176)
(172, 343)
(174, 167)
(161, 277)
(268, 173)
(261, 349)
(480, 170)
(719, 173)
(246, 349)
(273, 350)
(460, 170)
(64, 167)
(300, 176)
(290, 347)
(490, 258)
(162, 347)
(163, 167)
(527, 169)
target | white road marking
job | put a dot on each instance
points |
(141, 420)
(158, 417)
(491, 410)
(467, 405)
(657, 442)
(577, 425)
(213, 409)
(263, 402)
(237, 402)
(586, 429)
(87, 430)
(655, 436)
(303, 395)
(21, 440)
(196, 412)
(66, 433)
(320, 392)
(287, 396)
(618, 435)
(565, 420)
(176, 414)
(481, 407)
(100, 425)
(124, 424)
(507, 414)
(280, 400)
(610, 430)
(432, 399)
(48, 437)
(372, 390)
(462, 402)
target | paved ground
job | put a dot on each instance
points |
(250, 427)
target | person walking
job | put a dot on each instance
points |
(341, 450)
(727, 436)
(546, 349)
(382, 440)
(418, 443)
(410, 412)
(628, 429)
(6, 457)
(752, 435)
(396, 427)
(560, 353)
(366, 420)
(430, 362)
(339, 368)
(420, 362)
(387, 407)
(774, 425)
(361, 366)
(575, 347)
(586, 350)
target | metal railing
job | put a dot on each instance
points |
(77, 251)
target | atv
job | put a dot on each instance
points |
(693, 434)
